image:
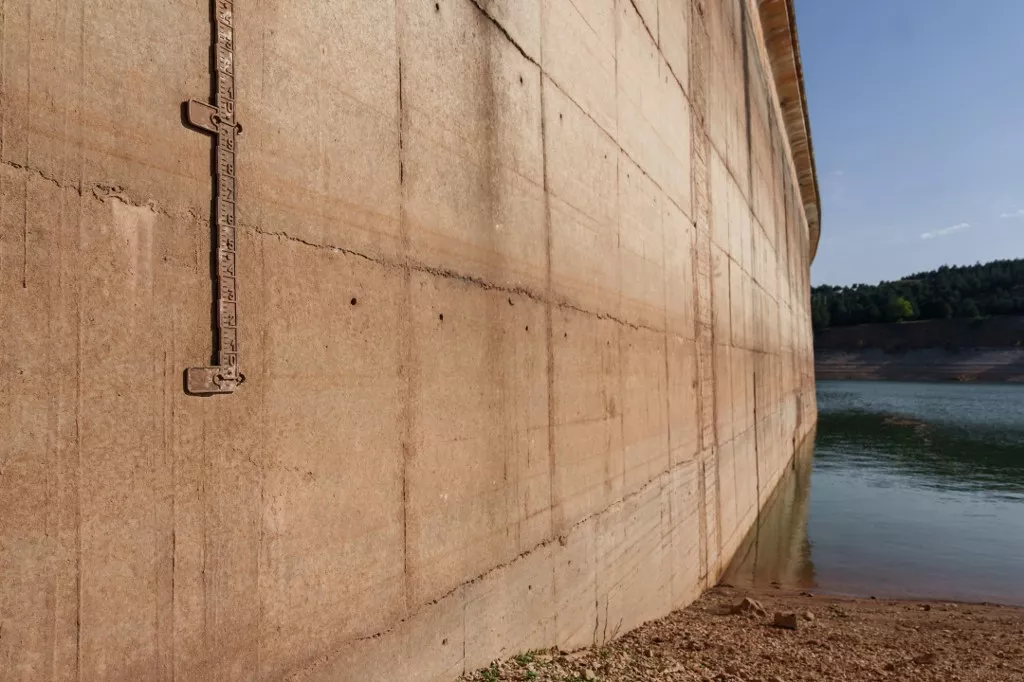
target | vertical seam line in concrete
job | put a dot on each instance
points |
(3, 75)
(618, 328)
(656, 39)
(757, 473)
(78, 369)
(707, 244)
(51, 449)
(261, 466)
(61, 236)
(465, 606)
(548, 312)
(745, 49)
(696, 117)
(204, 507)
(618, 246)
(405, 361)
(157, 474)
(613, 137)
(28, 149)
(262, 473)
(168, 454)
(665, 335)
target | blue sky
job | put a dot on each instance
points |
(917, 120)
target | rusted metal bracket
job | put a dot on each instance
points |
(218, 120)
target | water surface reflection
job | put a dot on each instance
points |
(912, 490)
(778, 550)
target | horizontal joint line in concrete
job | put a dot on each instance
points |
(504, 32)
(625, 153)
(657, 44)
(657, 481)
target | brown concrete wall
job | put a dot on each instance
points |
(523, 293)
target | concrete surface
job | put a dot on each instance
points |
(523, 313)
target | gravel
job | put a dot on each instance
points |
(721, 638)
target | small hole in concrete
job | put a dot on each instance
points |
(441, 317)
(559, 117)
(529, 587)
(520, 80)
(566, 335)
(353, 301)
(444, 641)
(510, 301)
(527, 327)
(437, 7)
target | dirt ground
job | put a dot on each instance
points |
(835, 639)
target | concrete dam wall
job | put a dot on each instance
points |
(519, 290)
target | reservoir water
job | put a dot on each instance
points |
(909, 490)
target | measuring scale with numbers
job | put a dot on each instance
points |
(219, 120)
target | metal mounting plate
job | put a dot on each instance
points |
(203, 380)
(202, 115)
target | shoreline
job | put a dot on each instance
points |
(881, 596)
(941, 380)
(835, 638)
(997, 365)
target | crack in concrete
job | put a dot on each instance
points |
(446, 273)
(43, 175)
(105, 192)
(101, 191)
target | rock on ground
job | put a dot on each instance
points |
(788, 621)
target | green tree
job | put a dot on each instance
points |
(820, 317)
(995, 288)
(968, 308)
(898, 309)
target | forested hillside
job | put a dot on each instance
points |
(995, 288)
